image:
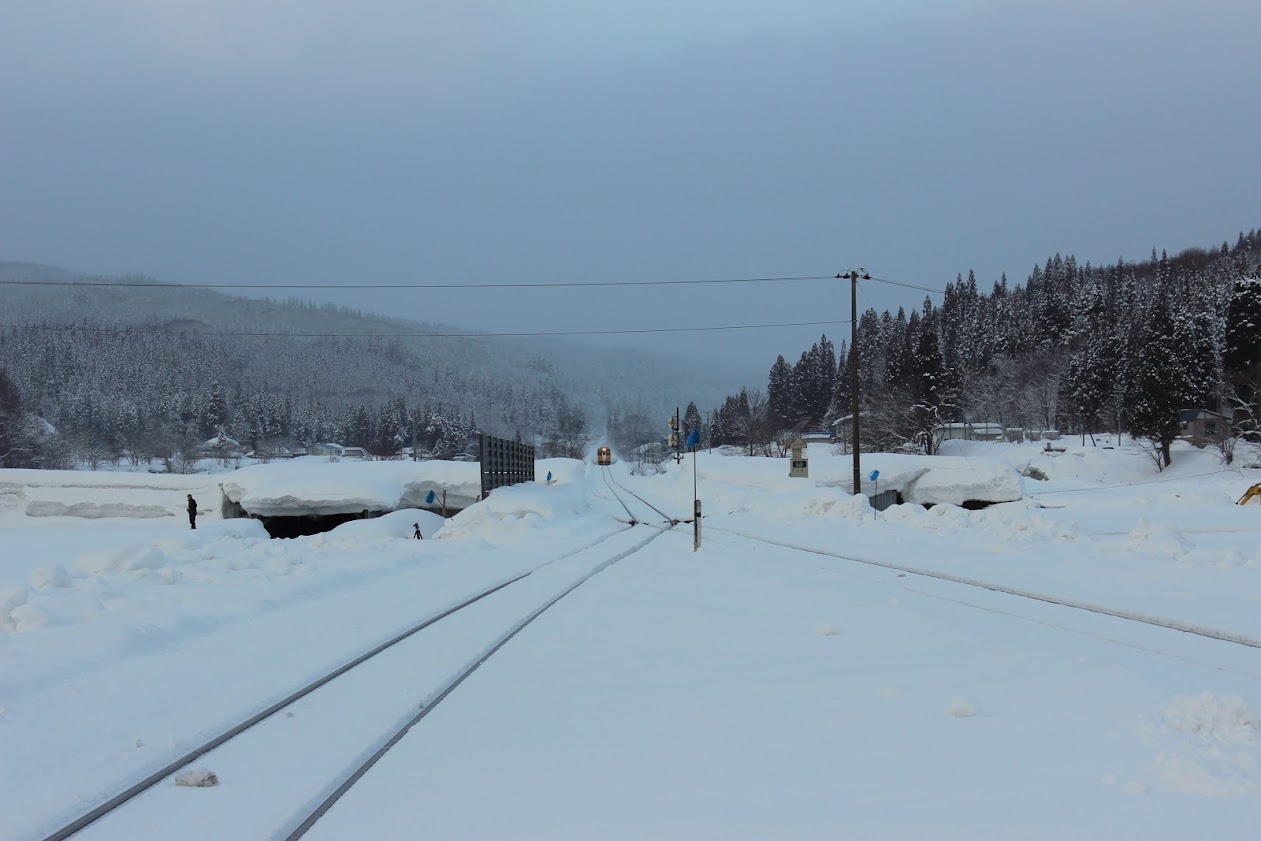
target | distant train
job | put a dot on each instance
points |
(604, 456)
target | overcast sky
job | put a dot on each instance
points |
(291, 141)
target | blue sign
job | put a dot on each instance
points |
(875, 474)
(694, 437)
(430, 499)
(549, 475)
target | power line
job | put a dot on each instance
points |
(558, 284)
(908, 285)
(140, 284)
(516, 334)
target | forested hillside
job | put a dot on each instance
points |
(140, 371)
(1074, 348)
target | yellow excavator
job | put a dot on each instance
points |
(1253, 492)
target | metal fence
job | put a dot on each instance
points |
(504, 462)
(884, 499)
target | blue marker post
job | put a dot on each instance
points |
(429, 500)
(874, 476)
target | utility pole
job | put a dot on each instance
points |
(854, 275)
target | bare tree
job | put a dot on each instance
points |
(570, 435)
(17, 441)
(756, 429)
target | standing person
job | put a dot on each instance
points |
(192, 512)
(417, 534)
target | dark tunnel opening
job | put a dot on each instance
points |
(305, 525)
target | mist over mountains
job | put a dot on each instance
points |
(142, 351)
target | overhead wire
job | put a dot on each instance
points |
(907, 285)
(512, 334)
(555, 284)
(145, 284)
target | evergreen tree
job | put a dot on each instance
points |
(1154, 382)
(691, 420)
(778, 389)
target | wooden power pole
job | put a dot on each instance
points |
(854, 275)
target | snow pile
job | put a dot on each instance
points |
(841, 507)
(960, 480)
(926, 480)
(392, 526)
(12, 604)
(1163, 538)
(116, 561)
(94, 510)
(513, 513)
(196, 778)
(1214, 747)
(963, 708)
(1010, 522)
(11, 496)
(277, 490)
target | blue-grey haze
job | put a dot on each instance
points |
(469, 141)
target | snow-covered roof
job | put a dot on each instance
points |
(317, 487)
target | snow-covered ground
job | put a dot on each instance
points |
(769, 685)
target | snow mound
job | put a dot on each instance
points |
(10, 598)
(285, 489)
(856, 507)
(1160, 537)
(1012, 522)
(49, 575)
(395, 525)
(94, 510)
(963, 708)
(114, 561)
(197, 778)
(960, 480)
(11, 496)
(515, 511)
(1212, 746)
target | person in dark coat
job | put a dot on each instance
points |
(417, 533)
(192, 512)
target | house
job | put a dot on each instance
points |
(842, 426)
(221, 446)
(338, 451)
(1200, 426)
(968, 431)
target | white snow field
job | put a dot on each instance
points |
(1083, 661)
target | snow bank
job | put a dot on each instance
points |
(94, 510)
(1211, 747)
(959, 480)
(287, 489)
(925, 480)
(396, 524)
(516, 511)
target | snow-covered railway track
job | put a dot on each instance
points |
(1194, 629)
(279, 770)
(621, 492)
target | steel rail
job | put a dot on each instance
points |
(442, 694)
(608, 480)
(1118, 613)
(153, 779)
